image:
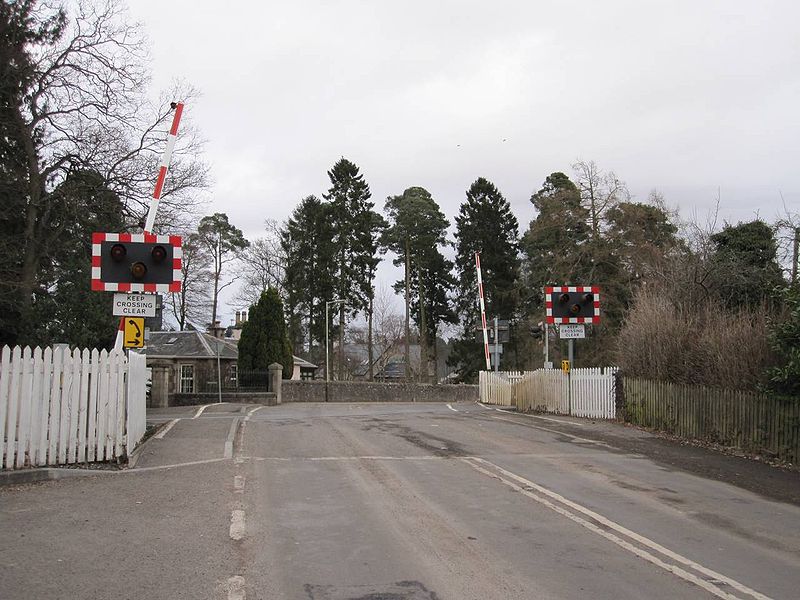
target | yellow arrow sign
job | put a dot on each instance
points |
(134, 332)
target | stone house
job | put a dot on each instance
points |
(184, 363)
(183, 367)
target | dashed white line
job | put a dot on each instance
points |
(527, 488)
(236, 530)
(160, 435)
(236, 588)
(238, 483)
(451, 408)
(483, 406)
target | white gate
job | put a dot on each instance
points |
(62, 407)
(582, 393)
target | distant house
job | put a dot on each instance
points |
(303, 369)
(184, 363)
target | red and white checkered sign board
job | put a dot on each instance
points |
(548, 301)
(177, 256)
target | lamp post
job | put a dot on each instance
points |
(327, 344)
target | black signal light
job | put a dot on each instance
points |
(159, 254)
(138, 270)
(118, 252)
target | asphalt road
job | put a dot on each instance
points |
(404, 501)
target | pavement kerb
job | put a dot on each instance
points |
(37, 475)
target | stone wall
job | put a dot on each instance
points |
(366, 391)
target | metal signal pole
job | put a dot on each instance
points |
(162, 175)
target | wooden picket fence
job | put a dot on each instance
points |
(60, 407)
(588, 392)
(755, 423)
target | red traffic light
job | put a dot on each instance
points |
(159, 254)
(588, 298)
(563, 298)
(118, 252)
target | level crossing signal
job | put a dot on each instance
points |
(572, 304)
(136, 262)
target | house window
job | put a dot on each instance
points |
(187, 379)
(306, 374)
(234, 370)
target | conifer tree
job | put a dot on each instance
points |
(354, 227)
(418, 229)
(307, 242)
(484, 224)
(264, 340)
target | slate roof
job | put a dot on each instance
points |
(188, 344)
(197, 344)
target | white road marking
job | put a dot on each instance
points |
(451, 408)
(160, 435)
(228, 452)
(574, 437)
(205, 406)
(236, 530)
(251, 411)
(238, 483)
(513, 412)
(236, 588)
(526, 486)
(483, 406)
(172, 466)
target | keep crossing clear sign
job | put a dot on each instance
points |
(571, 332)
(134, 305)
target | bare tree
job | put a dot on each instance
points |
(83, 106)
(787, 232)
(224, 243)
(388, 325)
(599, 191)
(262, 266)
(192, 303)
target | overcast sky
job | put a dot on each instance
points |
(685, 97)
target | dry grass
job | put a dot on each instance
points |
(700, 343)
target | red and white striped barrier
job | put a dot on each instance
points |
(172, 137)
(163, 168)
(483, 312)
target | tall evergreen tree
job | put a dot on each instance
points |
(418, 230)
(69, 311)
(484, 224)
(306, 240)
(745, 264)
(264, 340)
(354, 227)
(556, 242)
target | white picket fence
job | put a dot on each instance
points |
(60, 407)
(583, 393)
